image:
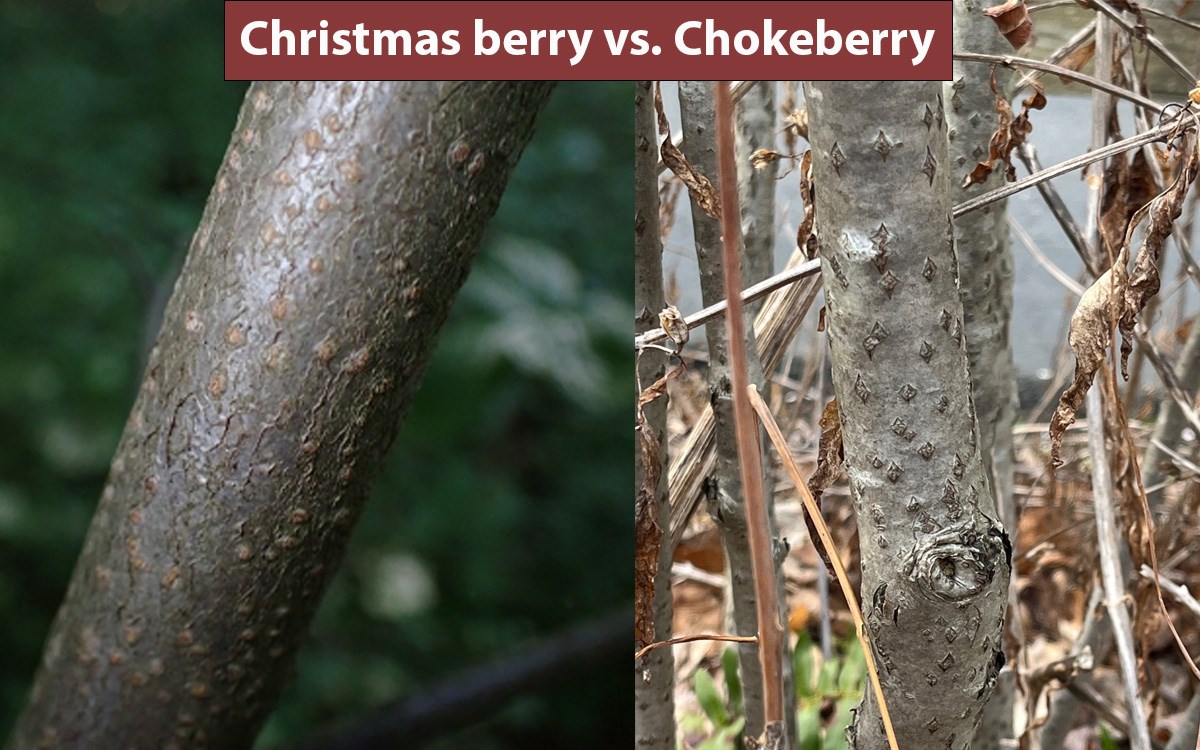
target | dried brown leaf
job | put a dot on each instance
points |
(762, 157)
(1142, 185)
(699, 186)
(672, 322)
(648, 534)
(804, 234)
(653, 391)
(1115, 208)
(797, 122)
(1143, 282)
(1010, 133)
(830, 452)
(979, 174)
(1128, 185)
(830, 456)
(1120, 295)
(1078, 58)
(1012, 18)
(1091, 330)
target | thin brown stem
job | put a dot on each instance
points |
(1170, 17)
(1080, 38)
(770, 630)
(1168, 128)
(1009, 61)
(1151, 41)
(826, 539)
(694, 637)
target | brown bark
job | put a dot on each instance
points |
(698, 118)
(654, 674)
(342, 222)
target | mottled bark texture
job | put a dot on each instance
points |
(698, 119)
(982, 241)
(935, 561)
(986, 276)
(654, 675)
(756, 187)
(343, 220)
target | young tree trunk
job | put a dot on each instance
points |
(935, 561)
(756, 187)
(982, 243)
(986, 274)
(654, 675)
(698, 119)
(343, 220)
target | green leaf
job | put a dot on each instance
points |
(835, 735)
(724, 739)
(828, 678)
(808, 727)
(854, 669)
(733, 682)
(693, 723)
(710, 700)
(1106, 740)
(802, 666)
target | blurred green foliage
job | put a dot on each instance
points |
(827, 694)
(502, 515)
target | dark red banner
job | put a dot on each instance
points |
(877, 40)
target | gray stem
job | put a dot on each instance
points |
(654, 678)
(698, 119)
(935, 561)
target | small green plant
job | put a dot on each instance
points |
(827, 693)
(724, 713)
(833, 688)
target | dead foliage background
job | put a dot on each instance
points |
(1146, 211)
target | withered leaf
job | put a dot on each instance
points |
(648, 533)
(1012, 18)
(1010, 133)
(797, 122)
(1091, 330)
(804, 234)
(1120, 294)
(1115, 210)
(1143, 281)
(673, 324)
(699, 186)
(1079, 57)
(830, 453)
(655, 390)
(1127, 187)
(762, 157)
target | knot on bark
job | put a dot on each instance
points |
(956, 562)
